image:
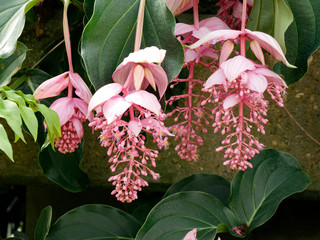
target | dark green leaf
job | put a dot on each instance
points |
(94, 222)
(214, 185)
(10, 111)
(257, 192)
(302, 38)
(179, 213)
(12, 18)
(109, 37)
(10, 65)
(5, 145)
(64, 169)
(43, 224)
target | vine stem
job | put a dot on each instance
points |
(303, 130)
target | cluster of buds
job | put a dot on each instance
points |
(124, 111)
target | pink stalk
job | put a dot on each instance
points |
(243, 27)
(139, 27)
(196, 14)
(66, 33)
(190, 97)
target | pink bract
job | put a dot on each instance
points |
(142, 68)
(54, 86)
(179, 6)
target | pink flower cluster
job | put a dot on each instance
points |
(124, 109)
(240, 83)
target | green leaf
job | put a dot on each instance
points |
(257, 192)
(52, 122)
(272, 17)
(30, 119)
(176, 215)
(43, 224)
(103, 50)
(302, 38)
(5, 145)
(214, 185)
(12, 18)
(10, 111)
(94, 221)
(10, 65)
(64, 169)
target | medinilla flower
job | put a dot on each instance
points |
(241, 82)
(142, 68)
(71, 111)
(179, 6)
(123, 110)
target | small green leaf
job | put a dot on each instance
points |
(302, 38)
(5, 145)
(214, 185)
(12, 19)
(257, 192)
(30, 120)
(43, 224)
(94, 221)
(10, 65)
(52, 122)
(176, 215)
(103, 51)
(10, 111)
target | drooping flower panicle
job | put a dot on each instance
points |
(124, 109)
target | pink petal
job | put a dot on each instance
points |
(179, 6)
(81, 105)
(122, 73)
(182, 28)
(231, 101)
(78, 126)
(114, 108)
(64, 107)
(138, 76)
(52, 87)
(269, 44)
(81, 87)
(149, 76)
(159, 76)
(217, 77)
(218, 35)
(256, 82)
(226, 51)
(149, 54)
(235, 66)
(208, 52)
(135, 127)
(270, 75)
(214, 23)
(190, 55)
(237, 10)
(104, 94)
(256, 49)
(191, 235)
(145, 100)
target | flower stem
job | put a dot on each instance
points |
(196, 14)
(139, 27)
(243, 27)
(66, 33)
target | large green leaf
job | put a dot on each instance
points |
(10, 65)
(272, 17)
(12, 18)
(64, 169)
(257, 192)
(302, 38)
(109, 37)
(43, 224)
(94, 221)
(214, 185)
(176, 215)
(5, 145)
